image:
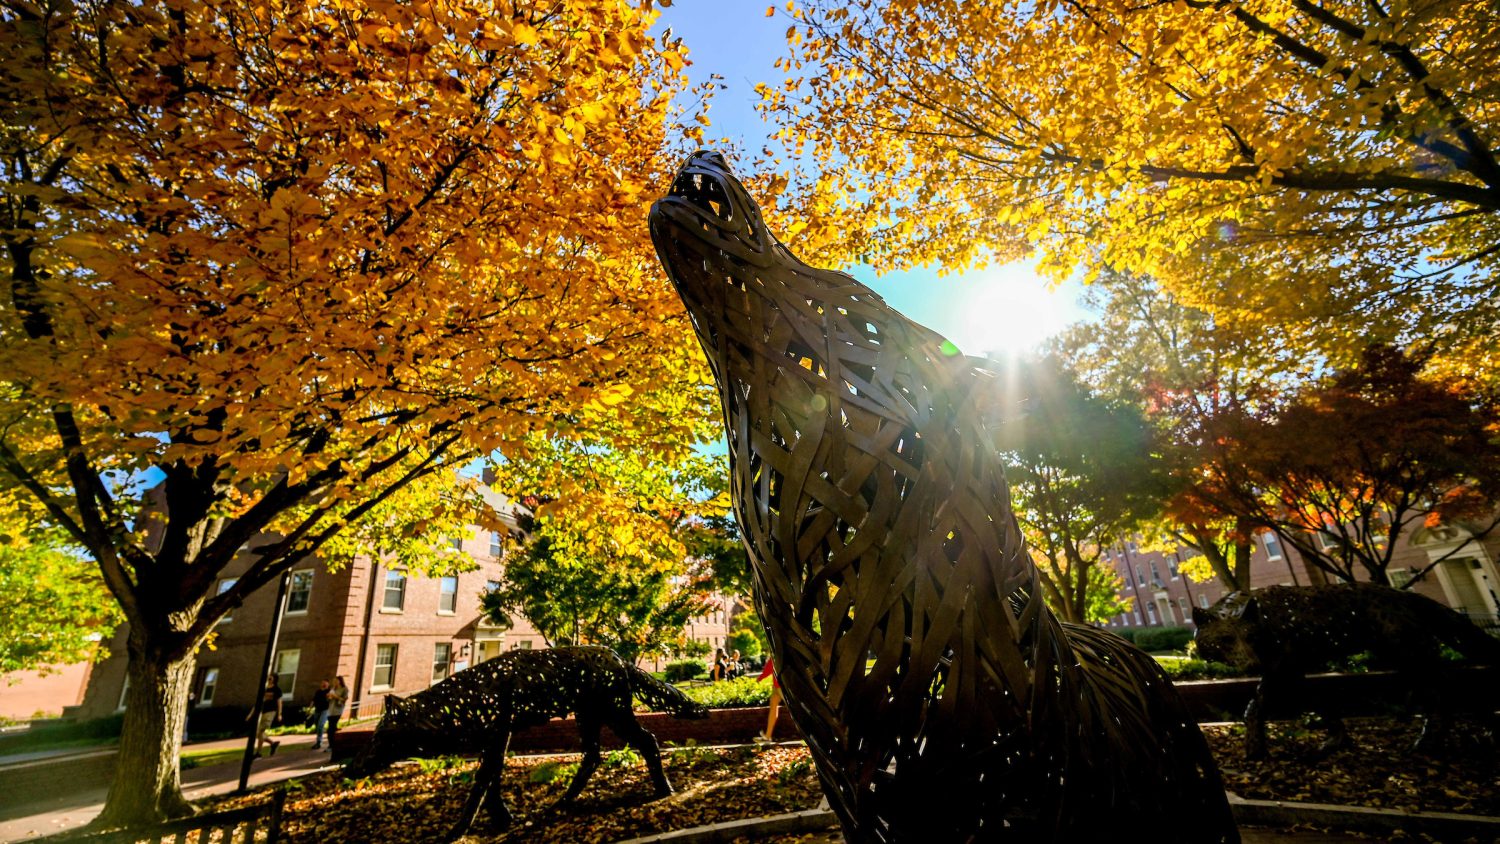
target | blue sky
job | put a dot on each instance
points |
(1003, 308)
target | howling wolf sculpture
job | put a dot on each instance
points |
(941, 699)
(479, 708)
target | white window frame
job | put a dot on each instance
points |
(1202, 600)
(442, 660)
(385, 595)
(208, 686)
(395, 653)
(497, 548)
(1265, 543)
(293, 590)
(278, 669)
(447, 596)
(226, 584)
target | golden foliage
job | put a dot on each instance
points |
(1329, 166)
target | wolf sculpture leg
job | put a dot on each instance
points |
(486, 785)
(632, 733)
(588, 729)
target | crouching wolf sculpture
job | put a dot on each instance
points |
(941, 699)
(481, 707)
(1287, 632)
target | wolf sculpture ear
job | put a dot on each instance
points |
(1201, 617)
(1251, 612)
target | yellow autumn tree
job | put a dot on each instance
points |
(1326, 165)
(269, 265)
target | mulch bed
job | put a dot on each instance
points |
(419, 802)
(1378, 768)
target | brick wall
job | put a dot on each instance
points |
(722, 726)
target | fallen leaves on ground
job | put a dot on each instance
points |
(1376, 768)
(421, 802)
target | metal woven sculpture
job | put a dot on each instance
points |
(941, 699)
(479, 708)
(1286, 632)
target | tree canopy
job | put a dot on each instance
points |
(56, 609)
(1344, 469)
(281, 264)
(1083, 472)
(1326, 166)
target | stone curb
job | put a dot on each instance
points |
(1270, 813)
(811, 820)
(1444, 826)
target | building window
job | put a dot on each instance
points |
(395, 592)
(523, 645)
(442, 653)
(1273, 545)
(208, 686)
(1172, 568)
(458, 543)
(1187, 608)
(1202, 600)
(1140, 576)
(448, 595)
(285, 670)
(492, 586)
(1155, 574)
(495, 547)
(1327, 542)
(1137, 617)
(1151, 613)
(224, 586)
(385, 667)
(299, 594)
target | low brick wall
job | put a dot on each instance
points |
(722, 726)
(1375, 693)
(26, 783)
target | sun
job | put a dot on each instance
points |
(1006, 310)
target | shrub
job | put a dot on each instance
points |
(742, 691)
(1197, 669)
(1126, 633)
(685, 669)
(1163, 638)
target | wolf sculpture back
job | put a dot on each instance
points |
(941, 699)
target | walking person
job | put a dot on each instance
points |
(775, 703)
(338, 696)
(270, 714)
(320, 714)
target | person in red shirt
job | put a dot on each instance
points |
(767, 671)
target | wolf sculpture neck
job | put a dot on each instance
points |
(940, 698)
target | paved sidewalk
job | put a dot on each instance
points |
(295, 758)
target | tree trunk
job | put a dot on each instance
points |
(147, 788)
(1242, 551)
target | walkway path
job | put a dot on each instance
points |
(295, 758)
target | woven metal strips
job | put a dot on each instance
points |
(478, 709)
(940, 698)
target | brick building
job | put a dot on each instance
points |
(1466, 580)
(384, 631)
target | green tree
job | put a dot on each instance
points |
(54, 607)
(636, 604)
(1083, 472)
(748, 635)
